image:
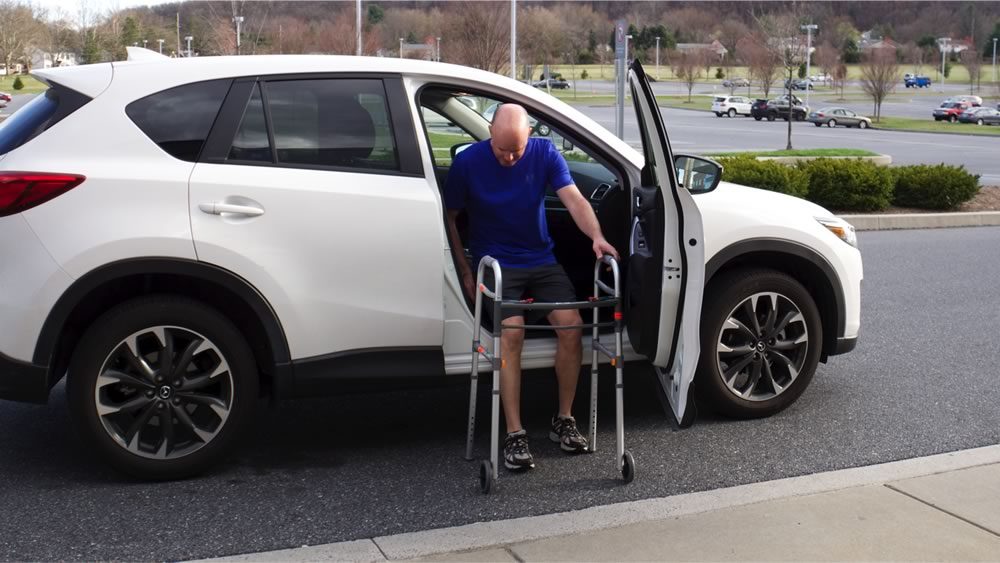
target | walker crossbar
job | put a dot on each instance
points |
(488, 471)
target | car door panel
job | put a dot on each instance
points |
(666, 265)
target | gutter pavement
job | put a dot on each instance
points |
(944, 507)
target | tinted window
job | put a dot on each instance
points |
(179, 119)
(42, 112)
(251, 142)
(332, 122)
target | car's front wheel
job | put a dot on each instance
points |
(863, 124)
(832, 123)
(162, 386)
(761, 339)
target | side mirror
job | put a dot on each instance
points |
(455, 149)
(697, 174)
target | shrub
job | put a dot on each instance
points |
(584, 75)
(765, 174)
(802, 70)
(18, 85)
(934, 187)
(848, 185)
(719, 74)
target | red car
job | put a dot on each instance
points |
(949, 111)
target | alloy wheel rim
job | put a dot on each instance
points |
(164, 392)
(762, 347)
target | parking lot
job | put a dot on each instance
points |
(922, 381)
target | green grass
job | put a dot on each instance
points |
(31, 85)
(929, 125)
(802, 152)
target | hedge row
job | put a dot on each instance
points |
(857, 185)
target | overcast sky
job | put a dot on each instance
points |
(72, 7)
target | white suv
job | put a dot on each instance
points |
(183, 237)
(731, 105)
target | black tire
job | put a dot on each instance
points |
(799, 116)
(198, 441)
(732, 112)
(718, 114)
(723, 295)
(770, 117)
(862, 124)
(817, 124)
(979, 122)
(757, 117)
(832, 123)
(486, 480)
(952, 119)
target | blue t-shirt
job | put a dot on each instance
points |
(506, 205)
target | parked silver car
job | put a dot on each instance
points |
(832, 117)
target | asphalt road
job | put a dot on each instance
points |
(700, 132)
(922, 381)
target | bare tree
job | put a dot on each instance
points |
(541, 38)
(973, 63)
(879, 75)
(840, 78)
(687, 66)
(789, 48)
(761, 63)
(18, 30)
(827, 57)
(480, 34)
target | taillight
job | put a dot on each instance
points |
(20, 191)
(819, 115)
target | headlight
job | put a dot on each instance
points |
(841, 228)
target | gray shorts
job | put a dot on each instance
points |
(543, 284)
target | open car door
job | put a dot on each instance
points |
(666, 265)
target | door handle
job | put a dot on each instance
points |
(218, 208)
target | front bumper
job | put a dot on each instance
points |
(845, 345)
(20, 381)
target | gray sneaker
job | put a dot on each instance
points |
(516, 455)
(565, 433)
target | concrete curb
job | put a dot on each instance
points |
(482, 535)
(885, 222)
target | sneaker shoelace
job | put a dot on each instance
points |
(568, 428)
(518, 445)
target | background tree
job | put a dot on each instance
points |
(840, 79)
(973, 63)
(789, 49)
(540, 38)
(687, 67)
(479, 34)
(879, 76)
(762, 66)
(18, 31)
(827, 58)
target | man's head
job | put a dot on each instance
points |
(509, 134)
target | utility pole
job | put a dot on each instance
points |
(657, 57)
(438, 49)
(357, 24)
(513, 39)
(189, 39)
(809, 29)
(178, 33)
(144, 41)
(238, 20)
(994, 59)
(945, 43)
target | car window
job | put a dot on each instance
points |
(251, 142)
(720, 99)
(342, 123)
(179, 119)
(36, 116)
(443, 135)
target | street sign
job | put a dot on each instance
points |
(620, 28)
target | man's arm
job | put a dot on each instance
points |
(583, 215)
(464, 271)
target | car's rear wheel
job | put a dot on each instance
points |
(817, 124)
(163, 386)
(761, 338)
(952, 119)
(979, 122)
(770, 117)
(718, 114)
(757, 117)
(732, 112)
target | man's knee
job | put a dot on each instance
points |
(565, 318)
(513, 338)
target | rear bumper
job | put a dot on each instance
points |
(21, 381)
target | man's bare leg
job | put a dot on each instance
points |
(510, 374)
(569, 356)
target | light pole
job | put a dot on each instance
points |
(144, 41)
(400, 47)
(239, 21)
(358, 24)
(809, 29)
(627, 37)
(161, 45)
(438, 49)
(945, 43)
(994, 59)
(513, 40)
(189, 39)
(657, 57)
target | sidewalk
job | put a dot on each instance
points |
(941, 508)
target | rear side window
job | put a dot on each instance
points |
(42, 112)
(251, 142)
(341, 123)
(179, 119)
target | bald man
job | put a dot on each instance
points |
(501, 184)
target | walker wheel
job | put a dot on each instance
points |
(486, 480)
(628, 467)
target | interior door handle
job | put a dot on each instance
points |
(218, 208)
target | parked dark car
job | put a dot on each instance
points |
(735, 82)
(980, 116)
(776, 109)
(554, 83)
(800, 84)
